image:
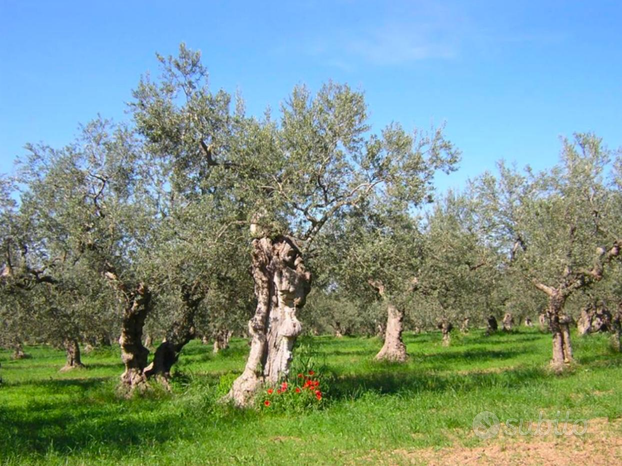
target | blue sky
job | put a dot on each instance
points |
(508, 78)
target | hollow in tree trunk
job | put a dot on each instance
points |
(72, 349)
(133, 353)
(393, 348)
(281, 287)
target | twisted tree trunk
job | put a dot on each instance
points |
(560, 327)
(281, 287)
(543, 322)
(492, 325)
(133, 353)
(179, 335)
(221, 340)
(72, 348)
(446, 327)
(393, 348)
(18, 351)
(508, 322)
(464, 328)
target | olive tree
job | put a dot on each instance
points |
(559, 228)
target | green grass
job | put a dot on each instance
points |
(370, 411)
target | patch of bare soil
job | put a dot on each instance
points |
(600, 445)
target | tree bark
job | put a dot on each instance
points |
(133, 353)
(18, 352)
(542, 321)
(560, 327)
(492, 325)
(221, 340)
(508, 322)
(72, 348)
(584, 324)
(179, 335)
(281, 287)
(464, 328)
(393, 348)
(528, 322)
(446, 327)
(617, 329)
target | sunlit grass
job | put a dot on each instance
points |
(77, 417)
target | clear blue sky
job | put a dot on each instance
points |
(508, 78)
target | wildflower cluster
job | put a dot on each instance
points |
(303, 392)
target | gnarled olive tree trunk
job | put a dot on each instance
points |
(559, 324)
(133, 353)
(446, 327)
(543, 322)
(281, 287)
(393, 348)
(508, 322)
(179, 335)
(221, 340)
(617, 329)
(492, 325)
(72, 348)
(18, 351)
(464, 328)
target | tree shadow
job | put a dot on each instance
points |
(353, 386)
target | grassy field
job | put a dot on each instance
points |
(419, 412)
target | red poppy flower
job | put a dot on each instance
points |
(311, 373)
(267, 403)
(319, 396)
(300, 376)
(298, 390)
(278, 391)
(318, 393)
(270, 391)
(284, 386)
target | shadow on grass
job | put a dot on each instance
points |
(411, 382)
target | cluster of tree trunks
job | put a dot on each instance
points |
(595, 318)
(221, 340)
(281, 287)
